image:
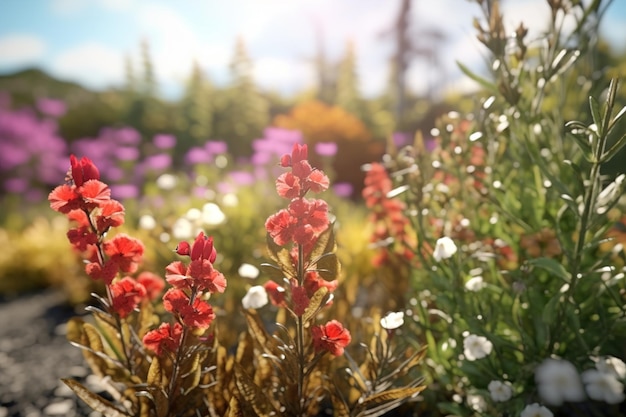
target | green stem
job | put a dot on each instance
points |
(300, 336)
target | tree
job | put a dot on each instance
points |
(242, 112)
(348, 96)
(195, 112)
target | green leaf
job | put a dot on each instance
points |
(328, 266)
(549, 313)
(96, 402)
(483, 82)
(595, 112)
(552, 266)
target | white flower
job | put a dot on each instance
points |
(611, 364)
(558, 381)
(475, 284)
(477, 402)
(392, 320)
(536, 410)
(476, 347)
(256, 297)
(212, 214)
(248, 271)
(603, 386)
(166, 181)
(182, 229)
(147, 222)
(500, 391)
(230, 200)
(444, 248)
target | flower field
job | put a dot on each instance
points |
(472, 269)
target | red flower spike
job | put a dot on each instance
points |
(206, 278)
(175, 300)
(299, 299)
(198, 315)
(105, 272)
(165, 338)
(331, 337)
(299, 153)
(313, 282)
(83, 170)
(81, 237)
(288, 185)
(126, 294)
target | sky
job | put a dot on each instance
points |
(86, 41)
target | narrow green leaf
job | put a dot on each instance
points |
(483, 82)
(549, 313)
(552, 266)
(595, 112)
(316, 302)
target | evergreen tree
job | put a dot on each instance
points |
(195, 112)
(242, 112)
(347, 95)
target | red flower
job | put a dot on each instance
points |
(205, 277)
(299, 153)
(199, 314)
(105, 272)
(94, 194)
(313, 282)
(203, 248)
(288, 185)
(276, 293)
(302, 221)
(299, 299)
(165, 338)
(111, 215)
(125, 252)
(176, 275)
(331, 337)
(126, 294)
(81, 237)
(83, 170)
(153, 284)
(64, 199)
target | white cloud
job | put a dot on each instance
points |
(174, 45)
(67, 7)
(117, 5)
(18, 49)
(92, 64)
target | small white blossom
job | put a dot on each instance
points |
(476, 347)
(611, 364)
(392, 320)
(500, 391)
(477, 402)
(248, 271)
(182, 229)
(444, 248)
(558, 381)
(212, 214)
(603, 386)
(230, 200)
(166, 181)
(475, 284)
(256, 297)
(536, 410)
(147, 222)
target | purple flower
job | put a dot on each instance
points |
(124, 191)
(401, 139)
(242, 177)
(197, 155)
(51, 107)
(16, 185)
(158, 162)
(164, 141)
(127, 136)
(216, 147)
(326, 148)
(261, 158)
(343, 189)
(127, 154)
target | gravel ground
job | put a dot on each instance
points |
(34, 355)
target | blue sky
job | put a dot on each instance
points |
(86, 40)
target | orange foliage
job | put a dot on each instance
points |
(320, 122)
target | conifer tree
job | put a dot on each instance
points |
(348, 96)
(242, 111)
(195, 117)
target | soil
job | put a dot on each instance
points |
(35, 355)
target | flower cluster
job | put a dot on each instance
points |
(304, 225)
(387, 215)
(87, 202)
(186, 299)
